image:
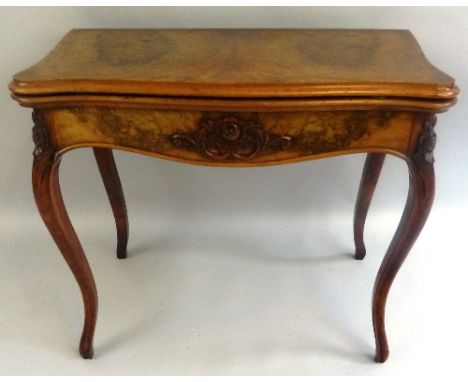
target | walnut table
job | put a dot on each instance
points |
(235, 98)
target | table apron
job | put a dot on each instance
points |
(233, 138)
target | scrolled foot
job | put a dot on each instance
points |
(86, 342)
(121, 253)
(87, 353)
(360, 253)
(381, 356)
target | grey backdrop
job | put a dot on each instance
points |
(319, 193)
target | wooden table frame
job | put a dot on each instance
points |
(49, 200)
(241, 124)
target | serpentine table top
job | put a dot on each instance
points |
(242, 97)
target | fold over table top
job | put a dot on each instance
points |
(237, 64)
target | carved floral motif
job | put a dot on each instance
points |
(39, 135)
(427, 141)
(231, 138)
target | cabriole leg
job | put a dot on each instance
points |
(418, 206)
(46, 187)
(370, 176)
(111, 180)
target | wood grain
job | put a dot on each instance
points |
(237, 104)
(237, 63)
(312, 134)
(235, 98)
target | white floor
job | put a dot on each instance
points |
(264, 296)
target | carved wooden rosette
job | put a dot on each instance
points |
(427, 140)
(40, 135)
(230, 138)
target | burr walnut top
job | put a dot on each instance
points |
(236, 63)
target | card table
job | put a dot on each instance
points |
(235, 97)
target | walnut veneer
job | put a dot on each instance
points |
(235, 98)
